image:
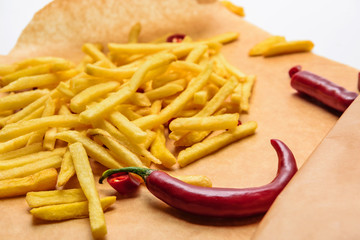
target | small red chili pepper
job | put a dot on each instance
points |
(321, 89)
(123, 182)
(359, 81)
(217, 202)
(176, 38)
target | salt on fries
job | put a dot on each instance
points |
(119, 108)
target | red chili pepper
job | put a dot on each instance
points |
(359, 81)
(123, 182)
(217, 202)
(176, 38)
(321, 89)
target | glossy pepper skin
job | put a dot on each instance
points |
(123, 183)
(218, 202)
(321, 89)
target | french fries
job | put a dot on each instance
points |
(130, 106)
(87, 183)
(43, 180)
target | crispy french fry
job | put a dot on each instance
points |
(210, 145)
(195, 55)
(140, 99)
(17, 129)
(159, 150)
(94, 150)
(211, 123)
(93, 51)
(169, 111)
(164, 91)
(246, 92)
(99, 110)
(78, 84)
(87, 183)
(156, 107)
(33, 157)
(20, 100)
(289, 47)
(231, 68)
(191, 138)
(64, 89)
(118, 74)
(31, 71)
(49, 139)
(43, 180)
(134, 33)
(233, 8)
(262, 46)
(67, 170)
(201, 97)
(29, 149)
(30, 82)
(27, 110)
(36, 114)
(128, 112)
(223, 38)
(197, 180)
(53, 197)
(78, 102)
(120, 152)
(31, 168)
(129, 129)
(14, 143)
(6, 69)
(70, 211)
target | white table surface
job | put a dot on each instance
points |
(333, 25)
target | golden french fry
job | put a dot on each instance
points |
(159, 150)
(134, 33)
(64, 89)
(6, 69)
(210, 145)
(14, 143)
(53, 197)
(43, 180)
(261, 47)
(79, 101)
(195, 55)
(31, 71)
(156, 107)
(233, 8)
(211, 123)
(140, 99)
(231, 68)
(29, 149)
(223, 38)
(93, 51)
(36, 114)
(201, 97)
(118, 74)
(128, 128)
(67, 170)
(78, 84)
(169, 111)
(197, 180)
(31, 168)
(20, 100)
(108, 104)
(191, 138)
(33, 157)
(70, 211)
(87, 183)
(29, 109)
(289, 47)
(164, 91)
(30, 82)
(17, 129)
(246, 89)
(94, 150)
(49, 139)
(120, 152)
(128, 112)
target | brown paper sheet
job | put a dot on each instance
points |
(322, 201)
(62, 27)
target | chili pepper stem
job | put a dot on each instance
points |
(142, 172)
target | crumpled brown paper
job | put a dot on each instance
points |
(62, 27)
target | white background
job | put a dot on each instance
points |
(333, 25)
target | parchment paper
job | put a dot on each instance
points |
(62, 27)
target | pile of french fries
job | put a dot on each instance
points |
(122, 108)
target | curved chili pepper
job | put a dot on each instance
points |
(175, 38)
(123, 182)
(217, 202)
(321, 89)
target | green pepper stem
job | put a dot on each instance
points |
(142, 172)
